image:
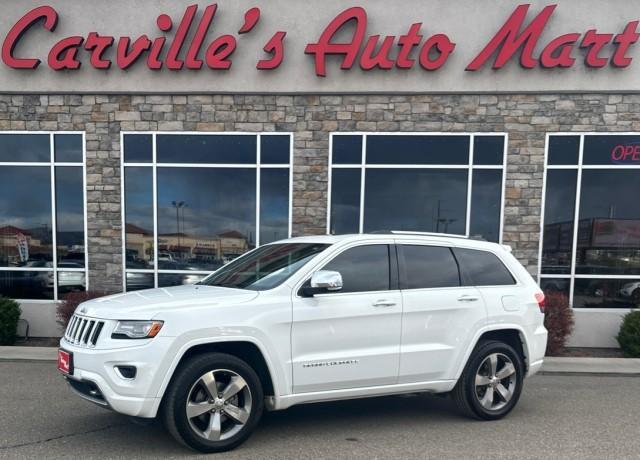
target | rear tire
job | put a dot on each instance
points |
(491, 383)
(214, 403)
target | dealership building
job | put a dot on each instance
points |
(145, 144)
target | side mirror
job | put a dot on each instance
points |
(326, 279)
(322, 281)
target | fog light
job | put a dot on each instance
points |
(126, 372)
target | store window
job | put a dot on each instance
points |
(590, 247)
(42, 215)
(444, 183)
(195, 201)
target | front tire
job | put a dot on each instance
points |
(491, 383)
(214, 403)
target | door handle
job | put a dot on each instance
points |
(468, 298)
(384, 303)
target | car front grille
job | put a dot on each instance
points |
(83, 331)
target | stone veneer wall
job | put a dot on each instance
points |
(526, 118)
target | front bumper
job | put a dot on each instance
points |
(95, 369)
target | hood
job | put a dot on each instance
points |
(148, 303)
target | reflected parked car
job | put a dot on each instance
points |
(631, 291)
(138, 281)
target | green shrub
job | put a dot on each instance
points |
(9, 316)
(629, 335)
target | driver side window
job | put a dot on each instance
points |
(363, 268)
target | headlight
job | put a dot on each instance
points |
(136, 329)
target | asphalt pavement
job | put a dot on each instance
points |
(559, 416)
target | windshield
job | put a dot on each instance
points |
(266, 267)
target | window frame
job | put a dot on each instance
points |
(154, 165)
(393, 263)
(403, 265)
(53, 164)
(470, 167)
(579, 168)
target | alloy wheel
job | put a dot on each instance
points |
(495, 381)
(218, 405)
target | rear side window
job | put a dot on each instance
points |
(428, 267)
(481, 268)
(363, 268)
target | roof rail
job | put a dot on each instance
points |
(448, 235)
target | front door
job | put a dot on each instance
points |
(350, 338)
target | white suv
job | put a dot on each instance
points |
(313, 319)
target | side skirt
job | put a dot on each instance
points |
(284, 402)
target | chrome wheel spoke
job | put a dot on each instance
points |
(236, 413)
(236, 385)
(214, 430)
(197, 409)
(487, 399)
(493, 362)
(209, 382)
(503, 392)
(506, 371)
(482, 380)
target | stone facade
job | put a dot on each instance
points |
(526, 119)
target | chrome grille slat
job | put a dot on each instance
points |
(83, 323)
(83, 331)
(77, 329)
(89, 328)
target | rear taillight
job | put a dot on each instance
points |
(541, 301)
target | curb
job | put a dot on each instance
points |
(591, 366)
(552, 366)
(28, 354)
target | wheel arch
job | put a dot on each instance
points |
(243, 348)
(511, 334)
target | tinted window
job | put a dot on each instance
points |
(428, 267)
(347, 149)
(345, 201)
(416, 200)
(138, 203)
(25, 147)
(608, 150)
(426, 150)
(274, 149)
(206, 149)
(206, 216)
(274, 205)
(481, 268)
(609, 225)
(563, 150)
(606, 293)
(27, 284)
(488, 150)
(138, 148)
(558, 221)
(363, 268)
(68, 148)
(70, 218)
(486, 198)
(25, 216)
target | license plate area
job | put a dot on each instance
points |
(65, 362)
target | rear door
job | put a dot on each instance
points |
(439, 312)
